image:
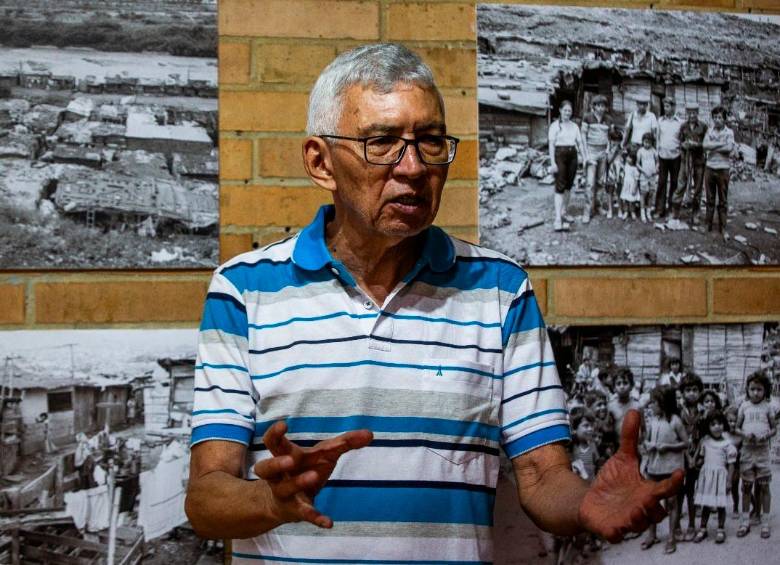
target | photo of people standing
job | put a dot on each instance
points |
(710, 400)
(628, 137)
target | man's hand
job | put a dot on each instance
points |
(296, 474)
(620, 500)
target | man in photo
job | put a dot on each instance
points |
(596, 127)
(719, 144)
(669, 157)
(692, 134)
(640, 122)
(355, 382)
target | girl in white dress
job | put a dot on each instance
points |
(713, 489)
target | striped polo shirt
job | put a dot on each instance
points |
(455, 365)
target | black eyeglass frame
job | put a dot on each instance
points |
(407, 143)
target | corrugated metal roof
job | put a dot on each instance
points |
(173, 133)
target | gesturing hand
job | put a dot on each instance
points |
(620, 500)
(295, 474)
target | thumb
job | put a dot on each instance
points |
(629, 435)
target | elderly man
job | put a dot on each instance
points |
(668, 157)
(596, 127)
(692, 158)
(640, 122)
(356, 381)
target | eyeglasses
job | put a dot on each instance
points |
(390, 149)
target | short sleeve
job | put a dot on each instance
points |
(224, 401)
(533, 405)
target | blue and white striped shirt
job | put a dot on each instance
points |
(453, 366)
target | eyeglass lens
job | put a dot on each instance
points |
(387, 149)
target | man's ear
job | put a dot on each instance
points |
(317, 162)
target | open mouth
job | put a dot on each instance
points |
(408, 200)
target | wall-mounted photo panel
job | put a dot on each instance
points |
(94, 447)
(108, 135)
(667, 372)
(629, 137)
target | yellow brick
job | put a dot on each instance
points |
(271, 235)
(747, 296)
(685, 4)
(540, 290)
(300, 18)
(451, 67)
(233, 244)
(291, 63)
(11, 304)
(469, 234)
(461, 113)
(116, 302)
(280, 157)
(458, 207)
(235, 159)
(629, 298)
(766, 5)
(431, 21)
(262, 111)
(233, 63)
(269, 205)
(466, 163)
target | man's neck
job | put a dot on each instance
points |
(377, 264)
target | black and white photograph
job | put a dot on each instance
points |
(697, 387)
(108, 134)
(94, 447)
(629, 136)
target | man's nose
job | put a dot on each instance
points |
(410, 164)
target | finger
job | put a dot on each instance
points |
(273, 435)
(293, 485)
(670, 486)
(333, 448)
(638, 520)
(310, 514)
(629, 435)
(351, 440)
(656, 513)
(274, 467)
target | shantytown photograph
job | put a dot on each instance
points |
(108, 134)
(692, 384)
(94, 447)
(629, 137)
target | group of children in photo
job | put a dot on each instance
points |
(722, 444)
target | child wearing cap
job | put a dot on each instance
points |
(596, 127)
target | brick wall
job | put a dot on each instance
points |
(271, 51)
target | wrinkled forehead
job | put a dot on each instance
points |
(406, 105)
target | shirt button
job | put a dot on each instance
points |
(368, 305)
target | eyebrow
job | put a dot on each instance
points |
(383, 129)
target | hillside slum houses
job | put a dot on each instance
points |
(111, 147)
(168, 401)
(719, 353)
(71, 404)
(31, 75)
(530, 61)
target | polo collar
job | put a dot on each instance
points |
(311, 253)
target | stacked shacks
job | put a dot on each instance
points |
(718, 353)
(533, 58)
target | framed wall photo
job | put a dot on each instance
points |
(108, 135)
(607, 369)
(629, 137)
(94, 440)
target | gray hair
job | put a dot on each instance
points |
(381, 66)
